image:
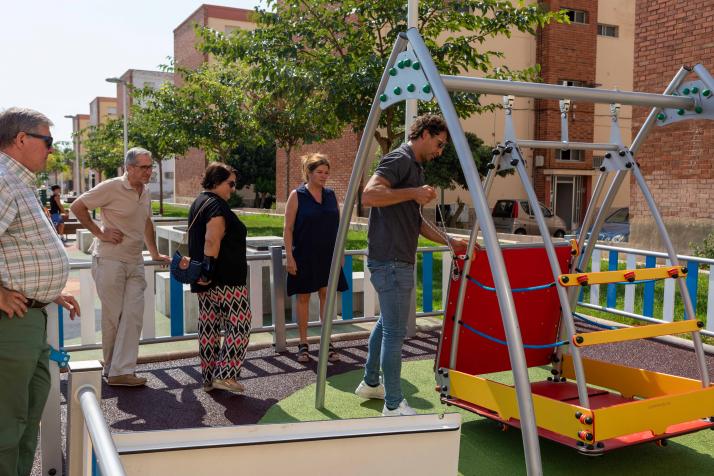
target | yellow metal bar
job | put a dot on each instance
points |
(553, 415)
(655, 414)
(629, 381)
(621, 276)
(637, 332)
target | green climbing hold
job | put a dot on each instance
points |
(392, 71)
(383, 97)
(426, 89)
(695, 90)
(407, 62)
(661, 116)
(400, 65)
(680, 112)
(397, 90)
(411, 88)
(698, 109)
(685, 91)
(706, 93)
(416, 65)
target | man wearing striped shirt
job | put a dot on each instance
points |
(33, 271)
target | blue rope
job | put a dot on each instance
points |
(593, 323)
(515, 290)
(503, 342)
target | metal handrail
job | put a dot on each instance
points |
(104, 448)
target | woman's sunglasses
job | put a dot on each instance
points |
(47, 139)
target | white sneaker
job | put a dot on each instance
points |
(365, 391)
(402, 410)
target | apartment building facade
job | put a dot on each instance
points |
(676, 160)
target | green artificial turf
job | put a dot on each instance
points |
(485, 450)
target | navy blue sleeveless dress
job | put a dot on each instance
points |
(314, 235)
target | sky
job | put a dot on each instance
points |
(56, 54)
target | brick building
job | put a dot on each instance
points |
(677, 160)
(189, 169)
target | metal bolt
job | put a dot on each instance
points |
(392, 71)
(565, 279)
(416, 65)
(411, 88)
(685, 91)
(514, 162)
(628, 165)
(383, 97)
(706, 93)
(400, 65)
(602, 169)
(661, 116)
(426, 89)
(622, 153)
(698, 109)
(579, 339)
(680, 112)
(608, 155)
(407, 62)
(695, 90)
(397, 91)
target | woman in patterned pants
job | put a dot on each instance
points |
(217, 238)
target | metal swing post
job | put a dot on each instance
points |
(350, 198)
(516, 351)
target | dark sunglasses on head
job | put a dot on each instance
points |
(48, 139)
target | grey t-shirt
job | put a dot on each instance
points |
(394, 230)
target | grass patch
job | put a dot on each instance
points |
(485, 449)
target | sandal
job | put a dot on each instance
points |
(303, 355)
(228, 385)
(332, 355)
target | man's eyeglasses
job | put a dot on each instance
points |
(47, 139)
(232, 184)
(143, 168)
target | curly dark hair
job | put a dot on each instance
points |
(216, 173)
(433, 123)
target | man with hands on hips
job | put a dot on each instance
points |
(33, 272)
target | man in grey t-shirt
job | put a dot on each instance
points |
(396, 192)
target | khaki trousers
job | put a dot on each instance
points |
(120, 287)
(25, 377)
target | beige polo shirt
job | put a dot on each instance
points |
(124, 209)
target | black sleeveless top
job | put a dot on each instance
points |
(231, 265)
(314, 235)
(54, 208)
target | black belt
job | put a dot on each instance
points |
(35, 304)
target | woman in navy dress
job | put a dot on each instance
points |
(311, 222)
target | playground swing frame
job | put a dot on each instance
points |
(517, 404)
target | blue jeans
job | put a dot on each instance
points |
(393, 281)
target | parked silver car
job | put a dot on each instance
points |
(515, 216)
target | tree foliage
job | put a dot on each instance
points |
(256, 167)
(211, 110)
(60, 160)
(340, 48)
(103, 147)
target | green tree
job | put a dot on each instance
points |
(211, 110)
(256, 167)
(103, 147)
(150, 128)
(342, 47)
(60, 160)
(446, 172)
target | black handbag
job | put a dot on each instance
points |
(183, 268)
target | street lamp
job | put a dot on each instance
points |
(124, 107)
(78, 166)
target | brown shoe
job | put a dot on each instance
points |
(228, 385)
(126, 380)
